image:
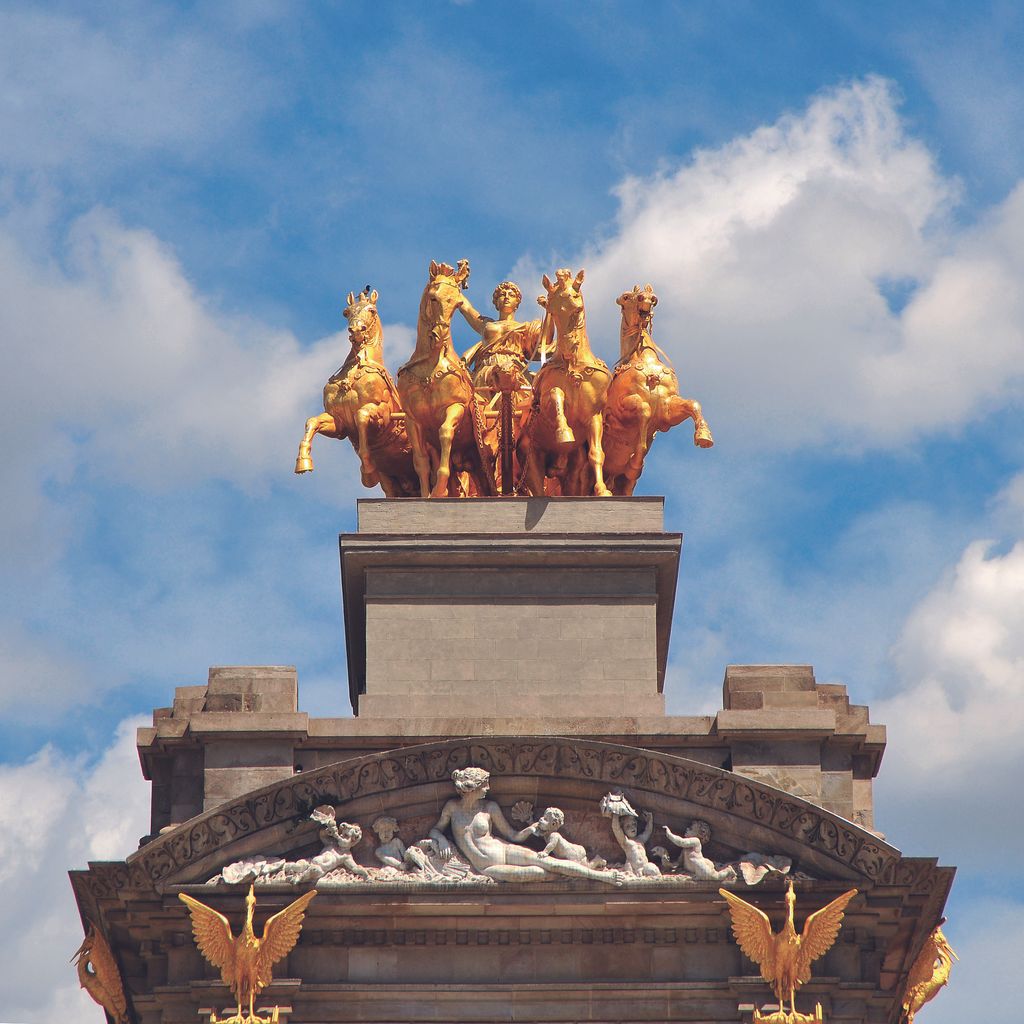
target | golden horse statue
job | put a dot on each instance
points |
(643, 397)
(361, 403)
(443, 420)
(563, 435)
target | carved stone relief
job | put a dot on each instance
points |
(473, 842)
(783, 823)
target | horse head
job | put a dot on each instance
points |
(364, 329)
(637, 316)
(443, 294)
(564, 304)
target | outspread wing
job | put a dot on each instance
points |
(820, 931)
(280, 934)
(753, 933)
(213, 937)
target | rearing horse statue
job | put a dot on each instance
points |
(563, 436)
(442, 419)
(361, 403)
(643, 397)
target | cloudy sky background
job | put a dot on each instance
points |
(829, 201)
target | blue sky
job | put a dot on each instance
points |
(828, 199)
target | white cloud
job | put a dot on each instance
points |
(773, 256)
(77, 92)
(955, 729)
(121, 375)
(120, 365)
(55, 813)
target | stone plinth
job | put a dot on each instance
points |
(515, 607)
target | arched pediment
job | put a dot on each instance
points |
(415, 782)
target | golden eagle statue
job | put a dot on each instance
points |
(103, 981)
(785, 957)
(245, 961)
(929, 973)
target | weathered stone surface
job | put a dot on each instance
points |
(577, 951)
(503, 596)
(512, 515)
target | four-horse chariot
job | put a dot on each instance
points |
(483, 424)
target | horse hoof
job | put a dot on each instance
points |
(303, 464)
(703, 439)
(565, 436)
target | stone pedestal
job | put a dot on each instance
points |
(519, 607)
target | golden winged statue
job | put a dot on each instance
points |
(929, 973)
(785, 957)
(245, 961)
(99, 976)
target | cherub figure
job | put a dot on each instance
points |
(392, 852)
(338, 839)
(556, 845)
(625, 828)
(692, 859)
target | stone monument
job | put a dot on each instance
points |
(510, 826)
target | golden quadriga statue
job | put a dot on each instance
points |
(480, 424)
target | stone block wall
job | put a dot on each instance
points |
(243, 731)
(456, 643)
(788, 731)
(219, 741)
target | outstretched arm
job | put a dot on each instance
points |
(530, 830)
(648, 829)
(680, 841)
(473, 317)
(620, 836)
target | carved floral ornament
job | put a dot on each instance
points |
(415, 783)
